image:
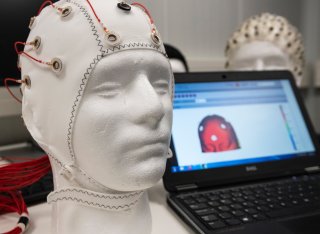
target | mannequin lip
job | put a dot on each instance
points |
(156, 149)
(152, 145)
(151, 141)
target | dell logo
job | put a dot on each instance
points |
(251, 168)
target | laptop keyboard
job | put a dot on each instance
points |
(252, 203)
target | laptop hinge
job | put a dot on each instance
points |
(186, 187)
(312, 169)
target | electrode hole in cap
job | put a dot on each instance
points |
(36, 43)
(155, 38)
(124, 6)
(66, 11)
(56, 65)
(112, 38)
(27, 81)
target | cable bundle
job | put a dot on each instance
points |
(14, 177)
(18, 175)
(13, 202)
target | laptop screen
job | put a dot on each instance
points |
(224, 124)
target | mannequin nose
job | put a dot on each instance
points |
(259, 65)
(148, 105)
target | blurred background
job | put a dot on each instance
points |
(200, 30)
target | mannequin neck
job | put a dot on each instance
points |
(69, 217)
(82, 209)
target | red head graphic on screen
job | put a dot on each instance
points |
(217, 135)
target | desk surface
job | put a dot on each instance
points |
(164, 220)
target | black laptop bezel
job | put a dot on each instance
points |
(222, 176)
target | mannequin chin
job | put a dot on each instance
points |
(259, 56)
(122, 131)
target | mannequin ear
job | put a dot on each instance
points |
(169, 155)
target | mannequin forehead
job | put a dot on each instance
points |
(129, 61)
(258, 49)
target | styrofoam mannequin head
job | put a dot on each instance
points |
(259, 56)
(86, 116)
(177, 65)
(266, 42)
(125, 117)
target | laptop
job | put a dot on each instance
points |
(245, 155)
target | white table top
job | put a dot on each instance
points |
(164, 220)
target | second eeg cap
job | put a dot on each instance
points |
(275, 29)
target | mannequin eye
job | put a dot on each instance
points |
(161, 86)
(108, 89)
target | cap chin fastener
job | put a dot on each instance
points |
(68, 172)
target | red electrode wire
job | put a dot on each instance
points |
(44, 4)
(97, 17)
(145, 10)
(28, 55)
(9, 90)
(14, 177)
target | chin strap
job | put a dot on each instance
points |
(89, 198)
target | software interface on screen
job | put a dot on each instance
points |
(223, 124)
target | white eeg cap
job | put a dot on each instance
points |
(77, 43)
(272, 28)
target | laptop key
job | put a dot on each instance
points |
(207, 211)
(248, 204)
(223, 208)
(216, 225)
(259, 216)
(189, 201)
(238, 199)
(236, 206)
(233, 221)
(238, 213)
(225, 201)
(225, 215)
(198, 206)
(201, 200)
(225, 196)
(251, 211)
(246, 219)
(214, 203)
(208, 218)
(214, 198)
